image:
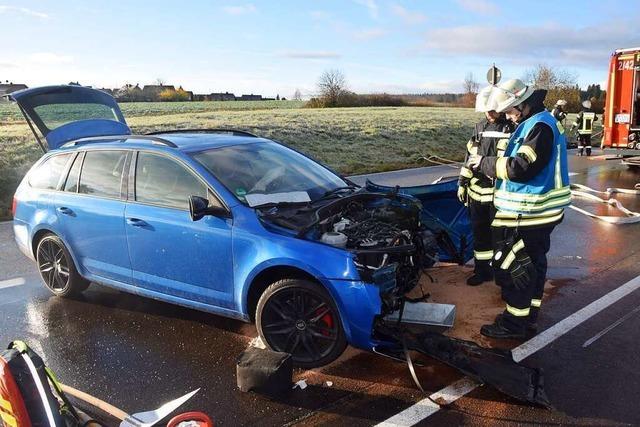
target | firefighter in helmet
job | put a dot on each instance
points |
(558, 111)
(531, 192)
(475, 190)
(584, 124)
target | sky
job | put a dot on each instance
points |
(275, 47)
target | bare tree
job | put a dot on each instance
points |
(297, 96)
(332, 85)
(160, 81)
(543, 76)
(471, 86)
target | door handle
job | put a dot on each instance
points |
(65, 211)
(136, 222)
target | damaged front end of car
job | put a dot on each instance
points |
(392, 247)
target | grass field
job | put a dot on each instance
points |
(351, 140)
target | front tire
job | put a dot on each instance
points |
(299, 317)
(57, 269)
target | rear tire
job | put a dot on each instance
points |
(56, 267)
(299, 317)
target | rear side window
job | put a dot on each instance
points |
(102, 173)
(48, 174)
(74, 173)
(162, 181)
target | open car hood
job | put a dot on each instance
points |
(66, 113)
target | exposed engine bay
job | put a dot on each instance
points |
(383, 231)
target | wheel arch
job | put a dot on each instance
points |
(40, 234)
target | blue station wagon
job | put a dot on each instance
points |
(216, 220)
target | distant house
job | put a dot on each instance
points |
(219, 96)
(251, 97)
(152, 92)
(7, 88)
(191, 95)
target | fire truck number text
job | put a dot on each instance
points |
(625, 65)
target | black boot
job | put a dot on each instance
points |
(532, 325)
(501, 330)
(479, 277)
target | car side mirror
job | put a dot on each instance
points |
(199, 207)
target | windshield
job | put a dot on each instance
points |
(261, 173)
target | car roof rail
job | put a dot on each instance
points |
(237, 132)
(150, 138)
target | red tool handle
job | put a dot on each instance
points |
(200, 418)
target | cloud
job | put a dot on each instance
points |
(369, 34)
(371, 6)
(24, 11)
(49, 58)
(533, 44)
(301, 54)
(409, 16)
(240, 9)
(483, 7)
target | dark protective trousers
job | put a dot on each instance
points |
(584, 142)
(481, 215)
(523, 304)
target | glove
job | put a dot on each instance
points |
(474, 161)
(522, 271)
(462, 194)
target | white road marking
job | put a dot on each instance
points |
(559, 329)
(18, 281)
(597, 336)
(426, 407)
(573, 173)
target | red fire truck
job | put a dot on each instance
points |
(622, 106)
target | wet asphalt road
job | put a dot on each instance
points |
(138, 353)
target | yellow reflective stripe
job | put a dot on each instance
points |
(515, 197)
(501, 168)
(530, 207)
(528, 152)
(558, 174)
(511, 215)
(479, 197)
(470, 148)
(5, 404)
(502, 144)
(466, 172)
(483, 255)
(482, 190)
(529, 222)
(518, 312)
(511, 256)
(536, 302)
(560, 127)
(8, 420)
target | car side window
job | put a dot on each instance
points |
(163, 181)
(71, 185)
(48, 174)
(102, 173)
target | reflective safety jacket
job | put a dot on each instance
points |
(489, 139)
(540, 200)
(584, 122)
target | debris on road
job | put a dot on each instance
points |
(264, 371)
(302, 384)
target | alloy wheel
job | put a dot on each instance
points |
(302, 323)
(53, 265)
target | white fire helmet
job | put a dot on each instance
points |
(484, 100)
(586, 104)
(510, 94)
(561, 102)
